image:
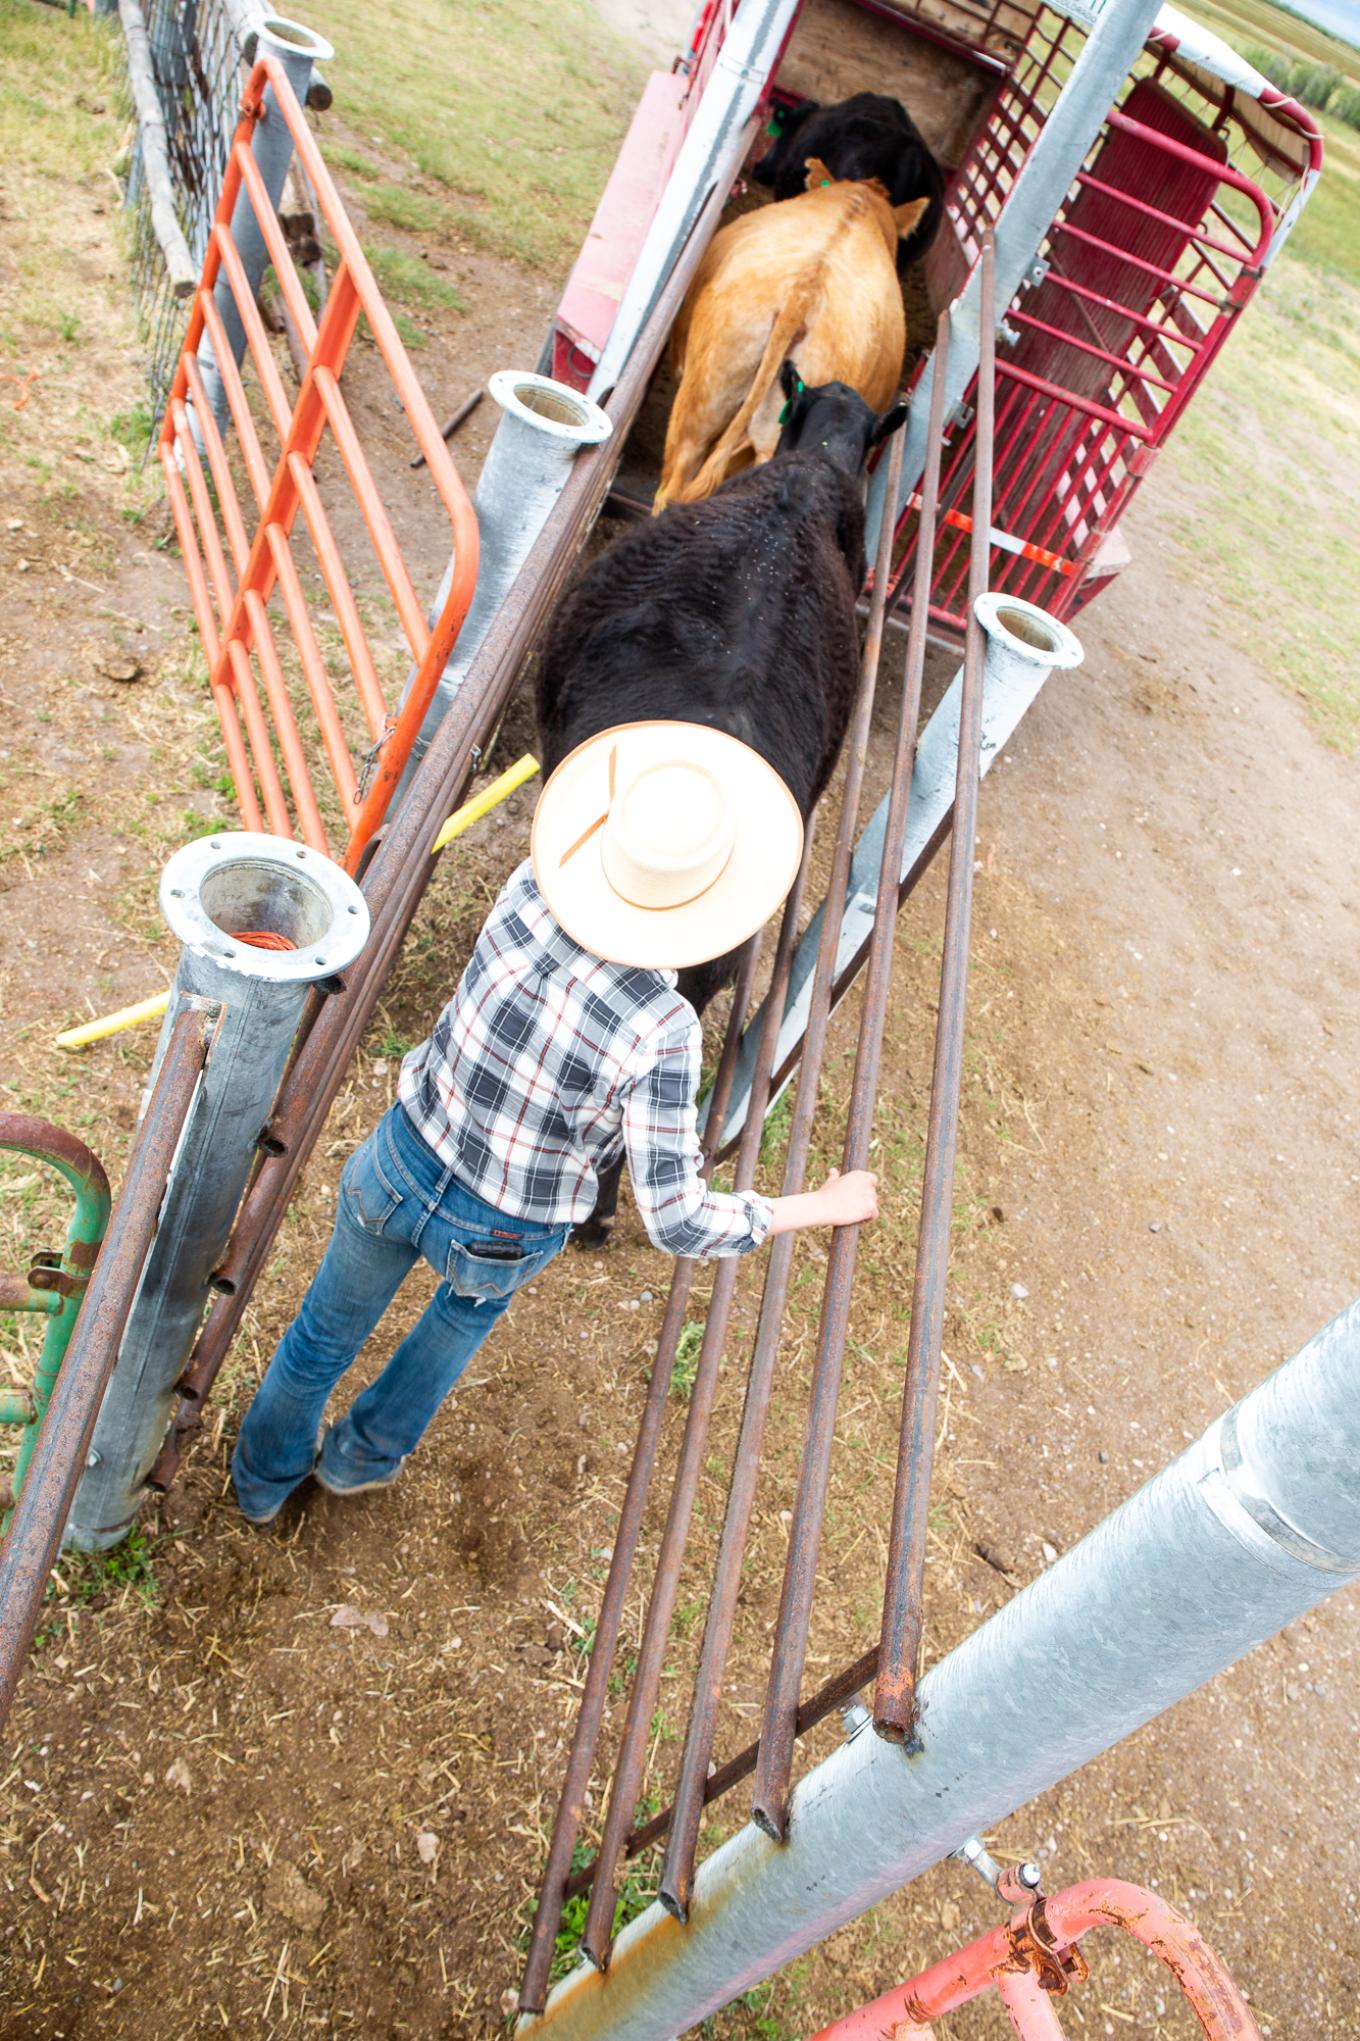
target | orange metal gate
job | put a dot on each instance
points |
(266, 724)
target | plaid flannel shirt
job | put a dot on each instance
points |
(547, 1062)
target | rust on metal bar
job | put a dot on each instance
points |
(627, 1531)
(628, 1767)
(900, 1644)
(44, 1501)
(832, 1694)
(678, 1872)
(778, 1732)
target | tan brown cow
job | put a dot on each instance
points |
(813, 280)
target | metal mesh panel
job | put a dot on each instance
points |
(198, 59)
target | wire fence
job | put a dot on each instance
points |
(200, 56)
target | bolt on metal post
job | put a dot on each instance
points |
(262, 921)
(297, 50)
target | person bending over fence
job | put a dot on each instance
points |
(655, 846)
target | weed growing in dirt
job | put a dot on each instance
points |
(133, 429)
(686, 1363)
(127, 1571)
(636, 1893)
(774, 1137)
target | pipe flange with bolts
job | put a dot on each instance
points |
(219, 891)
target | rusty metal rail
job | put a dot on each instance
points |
(785, 1717)
(402, 864)
(35, 1531)
(895, 1693)
(778, 1730)
(629, 1766)
(627, 1533)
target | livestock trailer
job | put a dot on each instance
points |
(1193, 172)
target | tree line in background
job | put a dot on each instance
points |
(1320, 86)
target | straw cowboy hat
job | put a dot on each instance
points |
(664, 844)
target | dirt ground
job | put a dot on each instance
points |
(224, 1810)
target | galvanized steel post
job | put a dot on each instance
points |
(262, 921)
(1246, 1531)
(297, 49)
(543, 426)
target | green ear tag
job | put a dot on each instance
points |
(783, 414)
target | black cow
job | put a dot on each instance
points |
(867, 136)
(738, 612)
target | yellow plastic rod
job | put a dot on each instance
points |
(126, 1017)
(490, 797)
(462, 818)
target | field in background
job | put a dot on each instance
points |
(495, 123)
(1266, 452)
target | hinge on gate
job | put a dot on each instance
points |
(45, 1272)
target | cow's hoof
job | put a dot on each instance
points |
(592, 1232)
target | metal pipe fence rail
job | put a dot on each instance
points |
(771, 1757)
(34, 1536)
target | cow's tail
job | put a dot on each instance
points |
(785, 333)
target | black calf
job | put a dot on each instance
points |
(867, 136)
(738, 612)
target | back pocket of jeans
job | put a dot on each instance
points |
(477, 1268)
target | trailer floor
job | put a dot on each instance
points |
(220, 1810)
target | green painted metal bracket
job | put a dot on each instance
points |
(54, 1284)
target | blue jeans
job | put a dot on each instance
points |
(396, 1202)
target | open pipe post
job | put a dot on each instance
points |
(296, 49)
(261, 920)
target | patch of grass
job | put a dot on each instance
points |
(133, 429)
(60, 90)
(341, 155)
(126, 1570)
(514, 104)
(396, 205)
(686, 1363)
(1265, 456)
(635, 1894)
(774, 1135)
(404, 278)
